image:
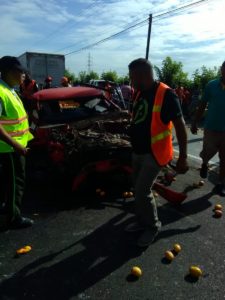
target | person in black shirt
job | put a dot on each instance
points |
(146, 167)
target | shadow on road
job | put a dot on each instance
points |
(95, 256)
(105, 250)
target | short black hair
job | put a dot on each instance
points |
(140, 63)
(8, 63)
(223, 64)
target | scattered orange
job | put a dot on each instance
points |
(195, 271)
(218, 207)
(98, 191)
(177, 248)
(125, 194)
(28, 248)
(201, 183)
(136, 271)
(218, 213)
(24, 250)
(169, 255)
(102, 194)
(155, 194)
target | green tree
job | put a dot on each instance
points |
(110, 76)
(204, 75)
(172, 73)
(70, 75)
(82, 76)
(123, 79)
(92, 76)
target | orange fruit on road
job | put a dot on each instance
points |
(195, 271)
(218, 207)
(125, 194)
(169, 255)
(201, 183)
(177, 248)
(218, 213)
(136, 271)
(98, 191)
(102, 194)
(27, 248)
(24, 250)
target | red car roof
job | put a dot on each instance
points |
(67, 93)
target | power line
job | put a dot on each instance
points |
(179, 9)
(60, 28)
(109, 31)
(193, 4)
(105, 32)
(107, 38)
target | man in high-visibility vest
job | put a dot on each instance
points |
(155, 108)
(14, 137)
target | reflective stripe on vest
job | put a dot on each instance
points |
(161, 134)
(14, 121)
(17, 133)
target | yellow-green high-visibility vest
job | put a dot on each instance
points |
(14, 119)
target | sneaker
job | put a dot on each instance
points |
(204, 171)
(148, 236)
(219, 189)
(135, 227)
(21, 222)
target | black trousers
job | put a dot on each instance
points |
(12, 183)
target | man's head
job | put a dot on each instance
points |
(11, 70)
(27, 76)
(141, 74)
(48, 81)
(64, 81)
(223, 71)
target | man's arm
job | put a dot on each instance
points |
(198, 117)
(5, 137)
(201, 109)
(181, 133)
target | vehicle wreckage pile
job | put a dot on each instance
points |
(93, 139)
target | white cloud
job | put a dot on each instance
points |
(195, 37)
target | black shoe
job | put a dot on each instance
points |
(204, 171)
(219, 189)
(21, 222)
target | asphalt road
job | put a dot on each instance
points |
(80, 249)
(195, 143)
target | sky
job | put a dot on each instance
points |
(194, 37)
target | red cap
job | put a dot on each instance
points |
(48, 79)
(64, 79)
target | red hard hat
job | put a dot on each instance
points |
(48, 79)
(64, 79)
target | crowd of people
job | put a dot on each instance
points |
(156, 108)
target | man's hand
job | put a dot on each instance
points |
(20, 149)
(194, 128)
(182, 165)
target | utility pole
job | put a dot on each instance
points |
(89, 63)
(149, 36)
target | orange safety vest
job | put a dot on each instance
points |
(28, 90)
(161, 134)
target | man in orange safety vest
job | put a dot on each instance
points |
(155, 109)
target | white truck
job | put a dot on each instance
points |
(41, 65)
